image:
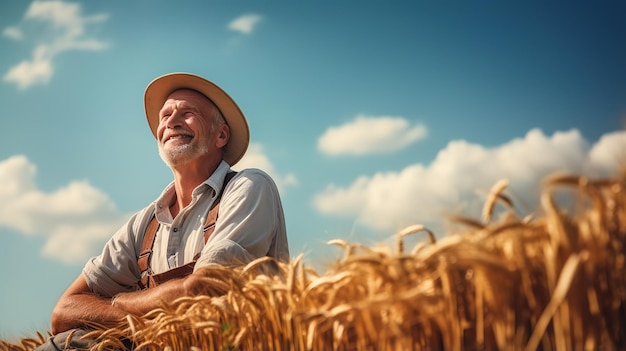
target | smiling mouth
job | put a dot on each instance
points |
(178, 137)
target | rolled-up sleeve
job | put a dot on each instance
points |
(250, 223)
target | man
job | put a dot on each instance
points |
(200, 132)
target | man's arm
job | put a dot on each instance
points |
(251, 223)
(79, 306)
(143, 301)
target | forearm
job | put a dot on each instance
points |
(79, 307)
(141, 302)
(81, 310)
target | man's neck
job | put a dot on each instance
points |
(186, 178)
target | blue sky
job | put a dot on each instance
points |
(370, 116)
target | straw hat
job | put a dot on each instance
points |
(160, 88)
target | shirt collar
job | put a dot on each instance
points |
(215, 182)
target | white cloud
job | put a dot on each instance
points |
(608, 155)
(13, 33)
(245, 24)
(28, 73)
(64, 30)
(462, 173)
(75, 220)
(370, 135)
(255, 157)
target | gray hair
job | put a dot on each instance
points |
(218, 118)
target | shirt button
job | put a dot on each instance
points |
(175, 230)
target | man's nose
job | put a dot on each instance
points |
(175, 119)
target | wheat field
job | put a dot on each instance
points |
(551, 281)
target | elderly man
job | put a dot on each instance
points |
(208, 215)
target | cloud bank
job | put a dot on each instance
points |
(75, 220)
(370, 135)
(64, 29)
(457, 181)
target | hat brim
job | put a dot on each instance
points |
(160, 88)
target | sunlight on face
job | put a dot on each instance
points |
(185, 127)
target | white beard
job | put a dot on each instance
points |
(181, 154)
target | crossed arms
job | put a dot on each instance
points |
(79, 306)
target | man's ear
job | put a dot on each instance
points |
(223, 135)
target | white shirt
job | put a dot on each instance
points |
(250, 225)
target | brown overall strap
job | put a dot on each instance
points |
(143, 261)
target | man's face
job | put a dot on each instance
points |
(185, 130)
